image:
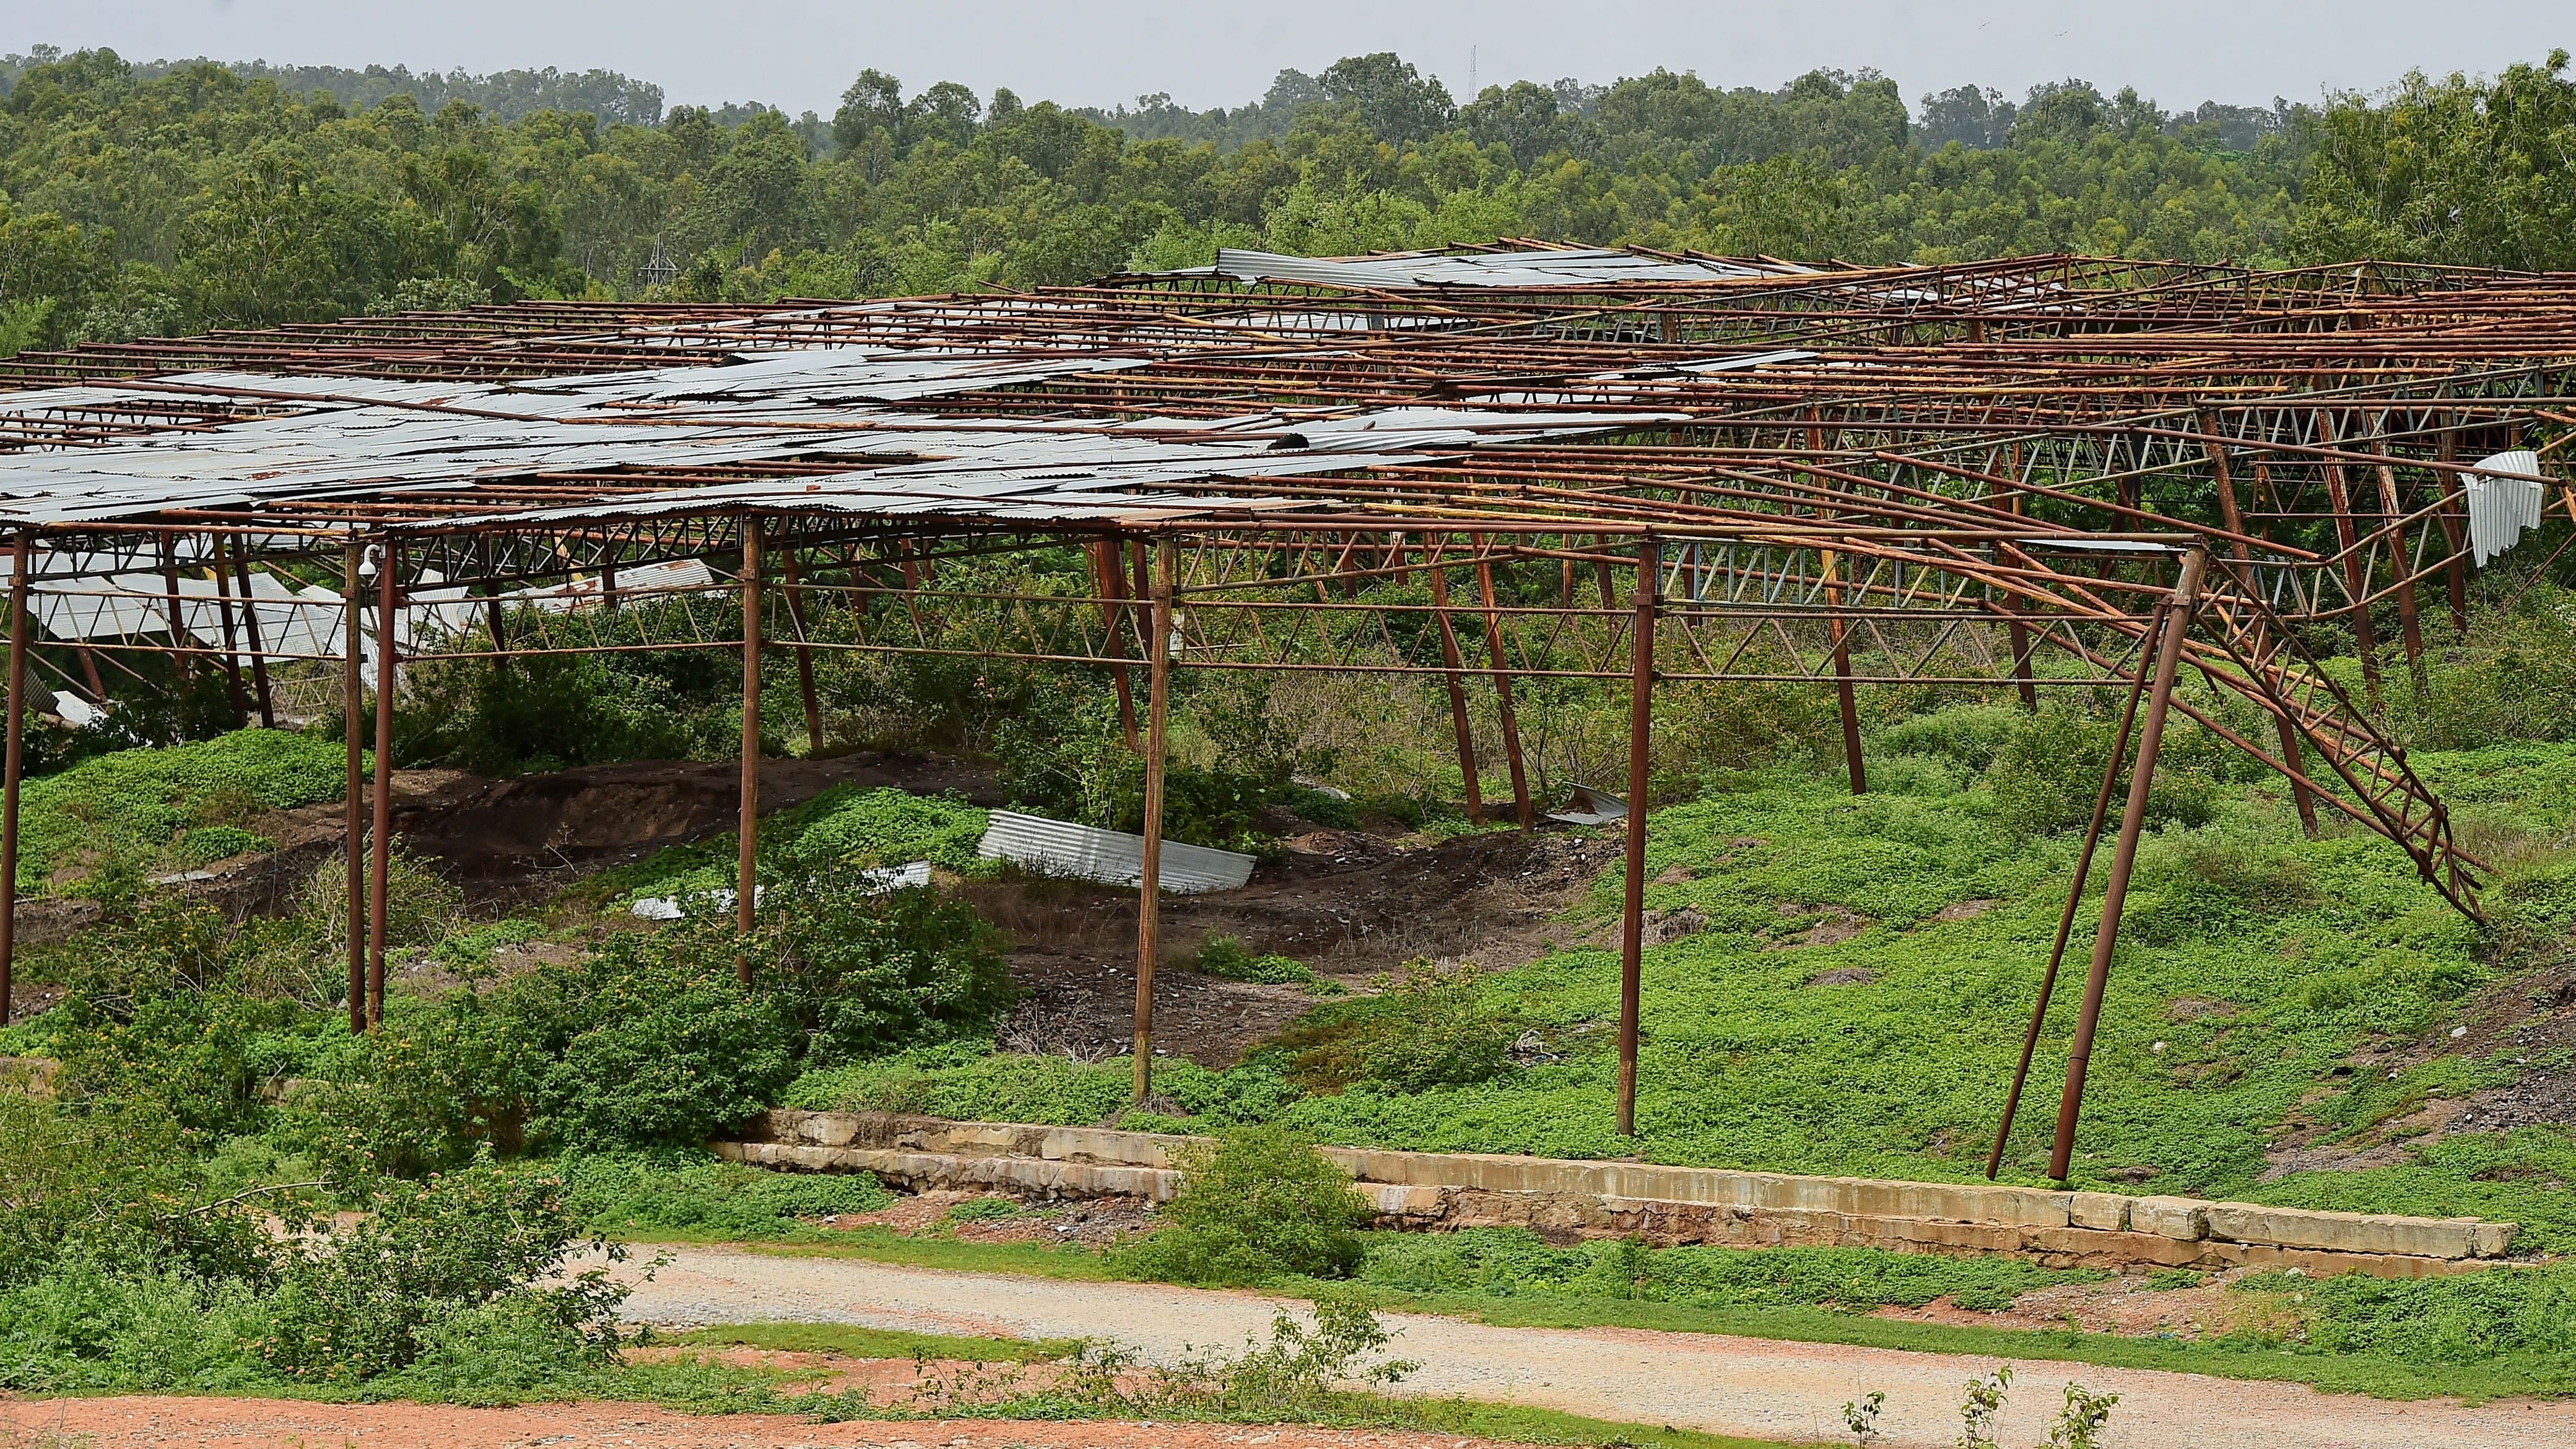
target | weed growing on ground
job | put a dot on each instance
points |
(110, 820)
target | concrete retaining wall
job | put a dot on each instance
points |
(1569, 1200)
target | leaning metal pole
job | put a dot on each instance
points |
(746, 885)
(1632, 915)
(1149, 880)
(2075, 891)
(13, 764)
(2115, 890)
(381, 846)
(353, 697)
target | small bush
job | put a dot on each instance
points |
(1967, 735)
(1259, 1203)
(1228, 957)
(2046, 777)
(861, 972)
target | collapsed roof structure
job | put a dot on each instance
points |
(2043, 472)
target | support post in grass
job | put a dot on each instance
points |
(2453, 517)
(1149, 882)
(2356, 564)
(11, 767)
(239, 697)
(2234, 519)
(1843, 694)
(1452, 666)
(381, 845)
(353, 699)
(1632, 913)
(2410, 628)
(250, 628)
(2124, 856)
(1521, 806)
(2016, 631)
(2075, 890)
(804, 658)
(746, 887)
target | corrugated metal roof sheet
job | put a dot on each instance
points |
(2501, 508)
(1110, 857)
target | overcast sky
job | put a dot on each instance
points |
(1096, 52)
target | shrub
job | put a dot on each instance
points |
(110, 1183)
(2046, 777)
(1228, 957)
(860, 972)
(1257, 1204)
(372, 1297)
(1967, 735)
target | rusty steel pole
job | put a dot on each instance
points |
(258, 650)
(804, 658)
(13, 765)
(2075, 891)
(746, 888)
(1452, 666)
(238, 696)
(1632, 914)
(381, 847)
(1522, 808)
(1149, 883)
(1843, 695)
(353, 699)
(1111, 581)
(2124, 856)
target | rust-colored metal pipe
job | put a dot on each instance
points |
(1149, 884)
(2075, 894)
(804, 658)
(353, 701)
(1632, 914)
(746, 888)
(235, 693)
(1452, 666)
(2124, 857)
(250, 626)
(1522, 807)
(1843, 694)
(11, 767)
(388, 662)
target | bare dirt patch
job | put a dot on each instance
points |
(2124, 1305)
(1092, 1223)
(1349, 906)
(138, 1422)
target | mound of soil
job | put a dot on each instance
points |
(1349, 906)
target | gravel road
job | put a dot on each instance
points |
(1751, 1387)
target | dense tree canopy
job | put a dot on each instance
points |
(153, 199)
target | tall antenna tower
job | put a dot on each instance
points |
(661, 270)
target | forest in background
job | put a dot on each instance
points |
(169, 197)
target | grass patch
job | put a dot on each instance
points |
(119, 816)
(683, 1195)
(844, 828)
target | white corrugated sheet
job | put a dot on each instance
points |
(1587, 806)
(1568, 268)
(1110, 857)
(2500, 509)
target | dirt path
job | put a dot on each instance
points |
(1751, 1387)
(164, 1423)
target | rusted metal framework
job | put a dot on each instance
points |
(1510, 463)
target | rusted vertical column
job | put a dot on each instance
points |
(388, 665)
(804, 659)
(2356, 566)
(1112, 578)
(2124, 856)
(1632, 915)
(232, 641)
(181, 670)
(2456, 572)
(10, 767)
(746, 882)
(1843, 692)
(2015, 630)
(1522, 809)
(1451, 666)
(353, 699)
(494, 611)
(1149, 882)
(2234, 520)
(2410, 627)
(250, 624)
